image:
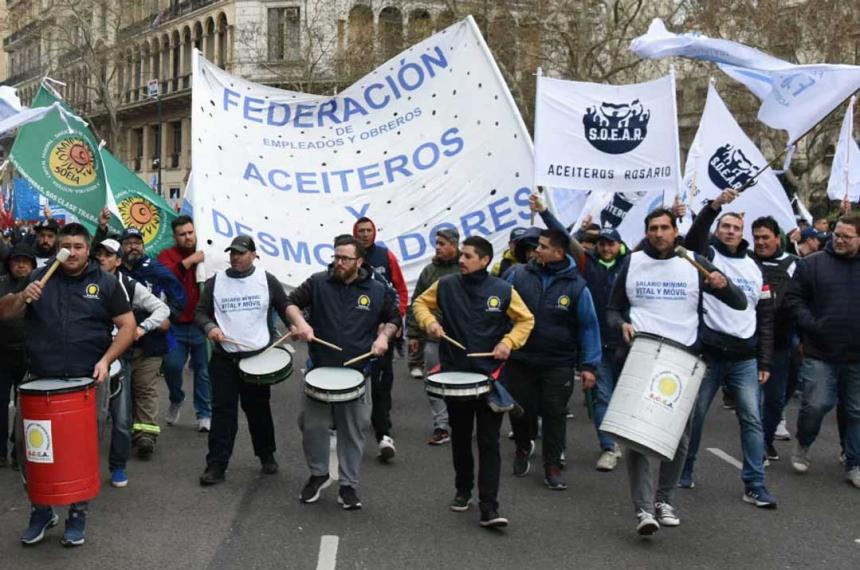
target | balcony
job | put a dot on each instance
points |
(21, 34)
(23, 76)
(176, 10)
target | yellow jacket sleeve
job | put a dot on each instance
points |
(424, 305)
(523, 320)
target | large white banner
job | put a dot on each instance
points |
(794, 97)
(607, 137)
(429, 140)
(722, 156)
(845, 172)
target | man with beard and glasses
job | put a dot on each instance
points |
(149, 350)
(183, 259)
(351, 309)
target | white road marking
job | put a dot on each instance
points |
(333, 465)
(726, 457)
(328, 552)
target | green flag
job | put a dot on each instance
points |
(60, 156)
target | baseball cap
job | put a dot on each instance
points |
(516, 234)
(50, 225)
(112, 246)
(22, 249)
(450, 234)
(610, 234)
(242, 244)
(129, 233)
(810, 233)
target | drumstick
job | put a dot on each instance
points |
(454, 342)
(237, 343)
(62, 256)
(277, 342)
(357, 358)
(480, 354)
(326, 343)
(682, 252)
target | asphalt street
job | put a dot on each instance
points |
(164, 519)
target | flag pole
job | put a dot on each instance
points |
(770, 164)
(850, 141)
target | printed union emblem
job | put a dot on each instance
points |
(616, 128)
(665, 389)
(140, 213)
(71, 162)
(563, 302)
(92, 291)
(494, 303)
(37, 440)
(730, 168)
(364, 302)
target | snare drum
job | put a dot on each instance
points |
(332, 384)
(457, 385)
(267, 368)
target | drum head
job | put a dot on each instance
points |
(54, 385)
(115, 368)
(457, 378)
(266, 363)
(334, 379)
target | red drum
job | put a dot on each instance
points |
(60, 440)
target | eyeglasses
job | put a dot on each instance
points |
(843, 236)
(342, 258)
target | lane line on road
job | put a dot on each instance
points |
(333, 465)
(328, 552)
(726, 457)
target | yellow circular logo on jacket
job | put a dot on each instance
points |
(494, 303)
(564, 302)
(364, 302)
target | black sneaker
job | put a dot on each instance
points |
(522, 460)
(348, 499)
(460, 503)
(491, 519)
(552, 479)
(311, 491)
(213, 475)
(145, 447)
(771, 453)
(270, 466)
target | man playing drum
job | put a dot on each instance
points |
(566, 333)
(660, 293)
(486, 314)
(351, 309)
(69, 322)
(234, 311)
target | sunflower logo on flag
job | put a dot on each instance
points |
(71, 162)
(140, 213)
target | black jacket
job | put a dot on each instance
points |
(777, 271)
(822, 296)
(12, 331)
(600, 279)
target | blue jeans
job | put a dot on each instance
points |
(120, 413)
(741, 378)
(608, 372)
(189, 341)
(824, 384)
(774, 393)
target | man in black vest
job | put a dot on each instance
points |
(69, 323)
(351, 309)
(486, 314)
(566, 333)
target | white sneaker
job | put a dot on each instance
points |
(386, 449)
(416, 373)
(172, 415)
(666, 514)
(853, 476)
(204, 425)
(608, 459)
(800, 458)
(647, 523)
(781, 432)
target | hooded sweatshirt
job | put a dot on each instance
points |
(385, 263)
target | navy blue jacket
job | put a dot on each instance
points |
(566, 325)
(600, 279)
(162, 283)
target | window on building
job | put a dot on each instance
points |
(284, 34)
(137, 147)
(175, 144)
(155, 141)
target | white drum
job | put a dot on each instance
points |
(267, 368)
(457, 385)
(654, 396)
(115, 382)
(330, 384)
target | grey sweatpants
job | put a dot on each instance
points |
(641, 473)
(351, 420)
(437, 405)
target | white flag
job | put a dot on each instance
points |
(845, 172)
(621, 211)
(9, 102)
(794, 97)
(722, 156)
(617, 138)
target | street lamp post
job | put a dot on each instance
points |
(154, 92)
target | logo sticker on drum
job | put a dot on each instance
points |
(92, 291)
(665, 389)
(38, 441)
(563, 302)
(494, 304)
(363, 303)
